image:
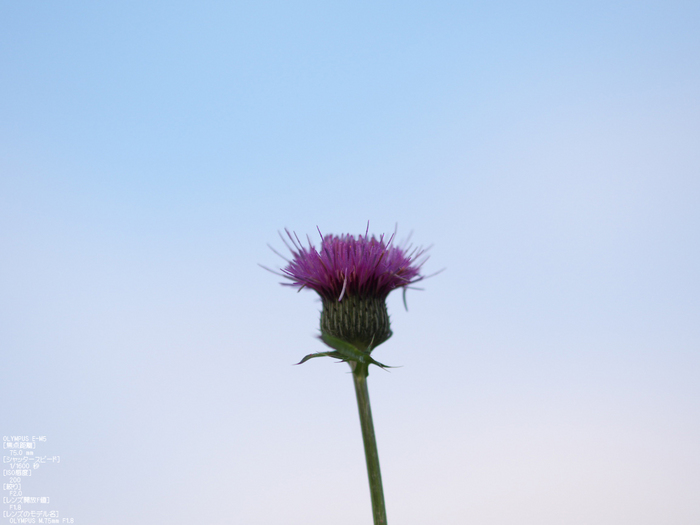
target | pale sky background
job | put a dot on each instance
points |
(550, 153)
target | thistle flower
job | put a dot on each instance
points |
(353, 276)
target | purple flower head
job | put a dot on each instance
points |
(348, 266)
(353, 276)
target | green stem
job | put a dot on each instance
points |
(371, 454)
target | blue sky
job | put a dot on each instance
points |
(149, 152)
